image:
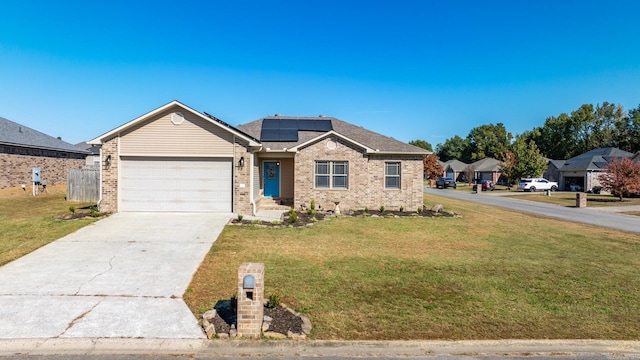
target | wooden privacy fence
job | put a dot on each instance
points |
(83, 185)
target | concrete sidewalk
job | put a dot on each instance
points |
(123, 276)
(305, 348)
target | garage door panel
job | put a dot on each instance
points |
(198, 185)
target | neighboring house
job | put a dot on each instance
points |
(581, 173)
(177, 159)
(93, 159)
(552, 173)
(486, 169)
(455, 169)
(22, 149)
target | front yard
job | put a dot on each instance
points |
(487, 275)
(28, 222)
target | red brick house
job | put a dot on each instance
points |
(23, 148)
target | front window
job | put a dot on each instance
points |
(392, 175)
(332, 174)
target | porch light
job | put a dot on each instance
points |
(107, 161)
(241, 162)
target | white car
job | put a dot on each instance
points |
(534, 184)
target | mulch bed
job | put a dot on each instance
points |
(305, 219)
(282, 321)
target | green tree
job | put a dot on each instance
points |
(556, 139)
(421, 144)
(487, 141)
(627, 131)
(453, 148)
(507, 167)
(528, 160)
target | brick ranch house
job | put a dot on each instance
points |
(22, 149)
(177, 159)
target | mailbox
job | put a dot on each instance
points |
(249, 282)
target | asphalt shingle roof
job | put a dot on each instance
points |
(358, 134)
(12, 133)
(456, 165)
(487, 165)
(596, 159)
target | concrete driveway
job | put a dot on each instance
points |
(123, 277)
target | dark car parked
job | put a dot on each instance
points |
(445, 182)
(484, 185)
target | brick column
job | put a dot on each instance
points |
(250, 299)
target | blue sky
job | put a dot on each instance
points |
(408, 69)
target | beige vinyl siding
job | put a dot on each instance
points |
(256, 179)
(161, 137)
(286, 178)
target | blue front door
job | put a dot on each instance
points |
(271, 179)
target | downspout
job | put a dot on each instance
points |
(253, 203)
(100, 185)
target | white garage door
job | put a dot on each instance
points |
(176, 184)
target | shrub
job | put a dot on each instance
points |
(93, 211)
(401, 208)
(72, 209)
(293, 216)
(366, 210)
(381, 209)
(274, 300)
(312, 206)
(240, 216)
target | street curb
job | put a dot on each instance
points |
(128, 346)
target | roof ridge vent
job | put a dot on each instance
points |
(320, 115)
(277, 115)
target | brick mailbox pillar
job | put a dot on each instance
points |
(581, 200)
(250, 299)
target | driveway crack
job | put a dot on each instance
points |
(78, 318)
(96, 275)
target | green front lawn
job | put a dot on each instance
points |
(491, 274)
(27, 223)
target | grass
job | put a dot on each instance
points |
(487, 275)
(27, 223)
(569, 199)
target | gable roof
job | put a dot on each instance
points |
(204, 116)
(93, 149)
(486, 165)
(371, 141)
(455, 165)
(596, 159)
(14, 134)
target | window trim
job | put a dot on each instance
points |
(331, 175)
(389, 176)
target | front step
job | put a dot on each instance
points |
(275, 204)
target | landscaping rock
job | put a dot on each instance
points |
(306, 325)
(210, 330)
(274, 335)
(437, 208)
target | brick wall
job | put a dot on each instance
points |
(109, 202)
(250, 311)
(16, 168)
(242, 181)
(366, 178)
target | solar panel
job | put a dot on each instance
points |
(287, 129)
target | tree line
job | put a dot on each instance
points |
(561, 137)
